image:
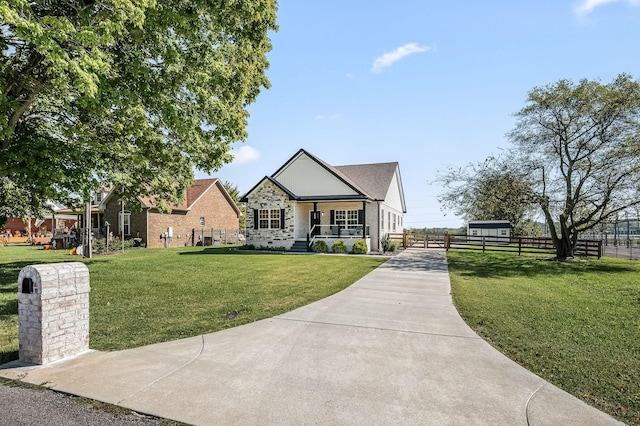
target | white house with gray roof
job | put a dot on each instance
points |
(307, 199)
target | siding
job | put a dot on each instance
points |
(305, 177)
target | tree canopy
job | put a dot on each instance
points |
(575, 155)
(579, 146)
(132, 93)
(489, 190)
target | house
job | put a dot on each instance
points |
(39, 229)
(307, 199)
(207, 205)
(477, 229)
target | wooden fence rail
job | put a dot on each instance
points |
(543, 245)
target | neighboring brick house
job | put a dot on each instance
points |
(206, 200)
(308, 199)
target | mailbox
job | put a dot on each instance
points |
(53, 311)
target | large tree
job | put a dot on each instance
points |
(579, 147)
(132, 93)
(489, 190)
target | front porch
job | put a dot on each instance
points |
(332, 233)
(332, 220)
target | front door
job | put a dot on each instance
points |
(314, 219)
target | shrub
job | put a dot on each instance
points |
(386, 242)
(339, 247)
(359, 247)
(320, 247)
(99, 245)
(388, 245)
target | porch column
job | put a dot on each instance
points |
(315, 215)
(364, 220)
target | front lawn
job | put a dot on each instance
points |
(153, 295)
(575, 324)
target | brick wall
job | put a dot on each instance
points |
(53, 313)
(218, 212)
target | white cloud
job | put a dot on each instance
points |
(244, 154)
(394, 56)
(585, 7)
(328, 117)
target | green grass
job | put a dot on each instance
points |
(575, 324)
(156, 295)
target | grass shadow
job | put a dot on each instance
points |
(486, 265)
(226, 250)
(8, 356)
(10, 307)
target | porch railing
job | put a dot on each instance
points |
(336, 231)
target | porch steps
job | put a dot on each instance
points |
(299, 247)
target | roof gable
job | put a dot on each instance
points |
(307, 176)
(193, 194)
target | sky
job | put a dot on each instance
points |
(429, 84)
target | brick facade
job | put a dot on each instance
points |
(150, 224)
(53, 311)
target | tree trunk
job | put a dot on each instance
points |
(564, 245)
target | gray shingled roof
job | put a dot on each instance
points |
(373, 179)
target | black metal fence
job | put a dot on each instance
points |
(215, 237)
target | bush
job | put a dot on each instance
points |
(99, 245)
(339, 247)
(320, 247)
(359, 247)
(388, 245)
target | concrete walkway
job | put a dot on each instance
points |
(390, 349)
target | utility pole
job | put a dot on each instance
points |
(87, 239)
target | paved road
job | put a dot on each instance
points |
(28, 407)
(632, 253)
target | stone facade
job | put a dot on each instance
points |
(53, 311)
(269, 196)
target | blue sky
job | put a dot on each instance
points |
(428, 84)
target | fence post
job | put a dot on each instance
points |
(519, 246)
(483, 242)
(447, 241)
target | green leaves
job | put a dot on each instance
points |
(579, 145)
(132, 92)
(489, 190)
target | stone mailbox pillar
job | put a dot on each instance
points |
(53, 311)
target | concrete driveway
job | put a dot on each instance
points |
(390, 349)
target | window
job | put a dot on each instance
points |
(389, 220)
(394, 221)
(346, 218)
(382, 220)
(474, 232)
(269, 219)
(503, 232)
(124, 222)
